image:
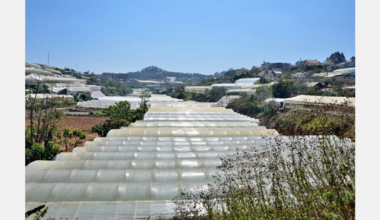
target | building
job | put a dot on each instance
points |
(311, 62)
(315, 85)
(268, 74)
(281, 67)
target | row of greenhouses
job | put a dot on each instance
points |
(135, 172)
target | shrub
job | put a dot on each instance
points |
(120, 115)
(38, 152)
(282, 89)
(299, 178)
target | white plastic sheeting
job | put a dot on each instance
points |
(105, 210)
(120, 98)
(163, 98)
(38, 71)
(316, 100)
(74, 90)
(155, 164)
(196, 124)
(97, 94)
(246, 81)
(27, 64)
(197, 89)
(104, 103)
(225, 100)
(195, 116)
(39, 78)
(59, 192)
(121, 176)
(226, 85)
(50, 96)
(184, 104)
(239, 91)
(188, 132)
(179, 110)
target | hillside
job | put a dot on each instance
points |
(156, 73)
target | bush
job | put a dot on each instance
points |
(293, 177)
(263, 80)
(299, 178)
(38, 152)
(282, 89)
(98, 113)
(120, 115)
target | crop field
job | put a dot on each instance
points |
(84, 123)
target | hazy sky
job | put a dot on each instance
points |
(197, 36)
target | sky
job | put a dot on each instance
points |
(195, 36)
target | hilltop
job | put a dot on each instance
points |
(156, 73)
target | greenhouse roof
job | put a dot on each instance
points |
(308, 99)
(43, 96)
(246, 81)
(226, 85)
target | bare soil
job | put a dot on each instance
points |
(84, 123)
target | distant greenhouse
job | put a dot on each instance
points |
(246, 81)
(197, 89)
(226, 85)
(239, 91)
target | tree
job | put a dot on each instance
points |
(120, 116)
(44, 116)
(282, 89)
(263, 92)
(263, 80)
(179, 88)
(352, 58)
(144, 95)
(38, 152)
(215, 94)
(68, 134)
(336, 58)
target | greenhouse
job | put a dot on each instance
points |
(34, 78)
(102, 104)
(97, 94)
(246, 81)
(75, 90)
(184, 104)
(197, 89)
(225, 100)
(239, 91)
(103, 101)
(311, 100)
(27, 64)
(165, 124)
(50, 96)
(136, 171)
(226, 85)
